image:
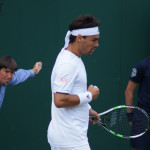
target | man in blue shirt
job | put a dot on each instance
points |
(9, 75)
(140, 76)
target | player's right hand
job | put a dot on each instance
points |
(94, 90)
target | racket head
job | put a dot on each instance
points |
(125, 121)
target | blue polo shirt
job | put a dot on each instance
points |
(141, 74)
(19, 76)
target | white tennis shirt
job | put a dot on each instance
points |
(68, 127)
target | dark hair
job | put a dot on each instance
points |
(8, 62)
(82, 21)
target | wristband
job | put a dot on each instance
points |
(89, 106)
(85, 97)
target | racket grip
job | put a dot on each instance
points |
(92, 117)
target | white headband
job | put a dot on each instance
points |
(83, 32)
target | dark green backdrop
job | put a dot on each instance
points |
(34, 30)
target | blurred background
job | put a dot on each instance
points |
(34, 30)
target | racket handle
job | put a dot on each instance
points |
(92, 117)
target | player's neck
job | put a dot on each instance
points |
(74, 49)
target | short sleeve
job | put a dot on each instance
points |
(137, 73)
(64, 78)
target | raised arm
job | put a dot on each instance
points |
(66, 100)
(22, 75)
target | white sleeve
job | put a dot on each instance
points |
(64, 78)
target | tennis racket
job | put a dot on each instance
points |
(121, 123)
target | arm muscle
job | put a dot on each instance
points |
(65, 100)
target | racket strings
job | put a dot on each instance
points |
(123, 123)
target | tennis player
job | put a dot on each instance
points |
(9, 75)
(140, 76)
(70, 108)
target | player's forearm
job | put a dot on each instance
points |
(129, 92)
(64, 100)
(128, 97)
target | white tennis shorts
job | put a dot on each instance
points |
(85, 147)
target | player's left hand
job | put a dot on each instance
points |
(94, 113)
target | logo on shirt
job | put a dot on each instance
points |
(63, 80)
(88, 96)
(134, 72)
